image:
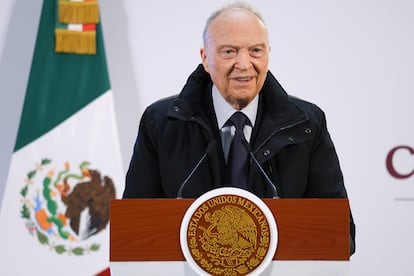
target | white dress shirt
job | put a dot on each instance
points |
(224, 111)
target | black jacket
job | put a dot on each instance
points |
(290, 140)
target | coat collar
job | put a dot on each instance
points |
(276, 109)
(193, 99)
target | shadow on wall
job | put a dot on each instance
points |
(15, 62)
(121, 74)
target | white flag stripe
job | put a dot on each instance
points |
(75, 27)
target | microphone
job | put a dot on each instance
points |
(208, 150)
(268, 181)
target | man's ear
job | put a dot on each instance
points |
(203, 55)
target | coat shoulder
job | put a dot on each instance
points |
(311, 110)
(158, 110)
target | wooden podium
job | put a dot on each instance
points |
(145, 234)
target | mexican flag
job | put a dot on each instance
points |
(66, 165)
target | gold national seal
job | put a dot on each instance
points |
(228, 235)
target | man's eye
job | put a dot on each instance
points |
(227, 53)
(257, 52)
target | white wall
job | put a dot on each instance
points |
(9, 129)
(353, 58)
(18, 27)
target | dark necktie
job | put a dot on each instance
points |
(237, 163)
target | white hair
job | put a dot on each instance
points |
(234, 5)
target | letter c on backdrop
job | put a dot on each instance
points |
(390, 164)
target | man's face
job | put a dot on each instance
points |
(236, 55)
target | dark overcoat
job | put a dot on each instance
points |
(290, 140)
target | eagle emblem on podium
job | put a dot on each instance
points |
(227, 235)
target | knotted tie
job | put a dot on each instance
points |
(237, 164)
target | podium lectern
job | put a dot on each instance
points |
(313, 237)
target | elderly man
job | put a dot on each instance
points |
(284, 148)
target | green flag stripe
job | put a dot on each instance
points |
(59, 84)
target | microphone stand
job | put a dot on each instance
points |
(268, 180)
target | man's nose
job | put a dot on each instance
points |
(243, 60)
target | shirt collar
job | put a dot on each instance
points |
(224, 110)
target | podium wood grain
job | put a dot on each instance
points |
(308, 229)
